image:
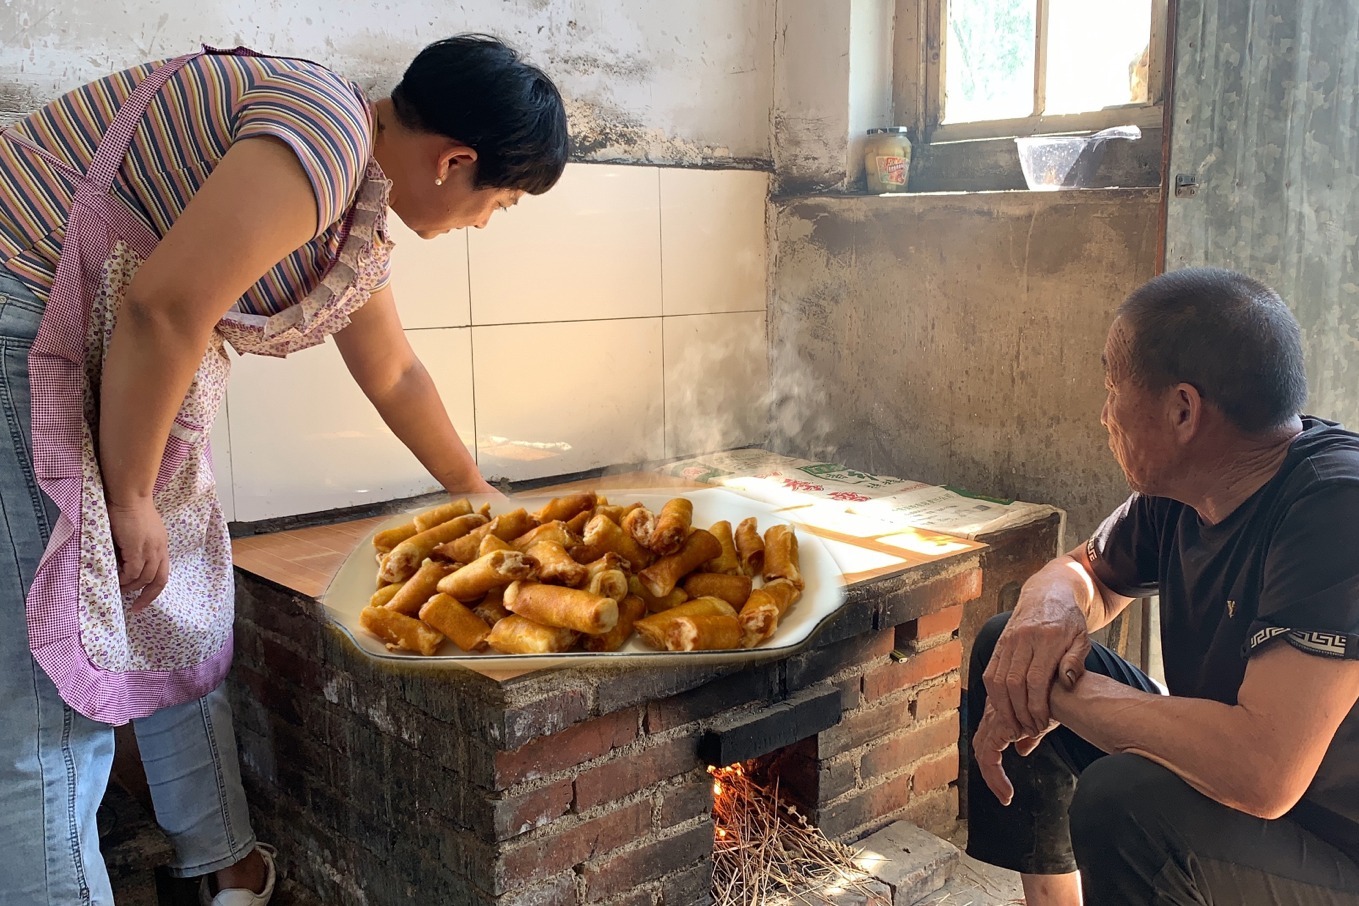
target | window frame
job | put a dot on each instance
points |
(920, 56)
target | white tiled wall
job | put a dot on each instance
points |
(618, 318)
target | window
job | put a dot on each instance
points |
(970, 69)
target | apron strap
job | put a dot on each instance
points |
(113, 148)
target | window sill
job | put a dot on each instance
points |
(992, 165)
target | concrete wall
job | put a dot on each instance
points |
(1267, 120)
(646, 80)
(956, 339)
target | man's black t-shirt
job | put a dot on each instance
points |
(1282, 568)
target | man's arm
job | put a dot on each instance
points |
(1257, 756)
(1047, 635)
(381, 360)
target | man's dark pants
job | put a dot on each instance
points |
(1139, 834)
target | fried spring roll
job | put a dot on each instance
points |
(640, 523)
(728, 562)
(520, 635)
(400, 631)
(555, 565)
(407, 556)
(441, 514)
(662, 576)
(781, 555)
(492, 607)
(419, 588)
(655, 628)
(467, 630)
(492, 543)
(762, 611)
(383, 595)
(630, 610)
(495, 570)
(608, 577)
(603, 536)
(568, 608)
(505, 527)
(561, 509)
(654, 604)
(750, 547)
(672, 526)
(732, 589)
(548, 531)
(576, 524)
(715, 632)
(385, 540)
(610, 583)
(615, 513)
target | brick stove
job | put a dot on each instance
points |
(391, 781)
(387, 781)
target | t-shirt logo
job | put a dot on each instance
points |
(1231, 609)
(1090, 553)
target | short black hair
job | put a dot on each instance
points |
(1231, 337)
(476, 90)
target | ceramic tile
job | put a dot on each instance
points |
(304, 438)
(716, 382)
(221, 462)
(713, 240)
(553, 399)
(589, 249)
(429, 277)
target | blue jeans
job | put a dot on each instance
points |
(55, 763)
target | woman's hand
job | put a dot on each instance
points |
(143, 550)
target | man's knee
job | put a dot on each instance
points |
(984, 646)
(1118, 792)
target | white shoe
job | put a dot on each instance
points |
(239, 896)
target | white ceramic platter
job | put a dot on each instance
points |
(353, 585)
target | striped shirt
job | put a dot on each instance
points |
(211, 102)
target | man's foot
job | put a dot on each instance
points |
(250, 882)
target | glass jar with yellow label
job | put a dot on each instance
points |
(887, 160)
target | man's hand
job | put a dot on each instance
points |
(1047, 634)
(993, 738)
(143, 550)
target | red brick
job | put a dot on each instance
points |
(820, 663)
(862, 726)
(934, 773)
(932, 596)
(643, 896)
(570, 748)
(630, 868)
(840, 820)
(545, 716)
(686, 800)
(923, 665)
(944, 622)
(517, 814)
(560, 849)
(722, 694)
(936, 812)
(836, 778)
(938, 699)
(921, 741)
(632, 771)
(689, 887)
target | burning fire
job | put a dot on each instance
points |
(764, 849)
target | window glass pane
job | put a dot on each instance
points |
(1097, 54)
(988, 62)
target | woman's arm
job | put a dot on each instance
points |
(385, 367)
(255, 209)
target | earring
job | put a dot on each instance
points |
(439, 181)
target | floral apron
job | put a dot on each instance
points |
(108, 663)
